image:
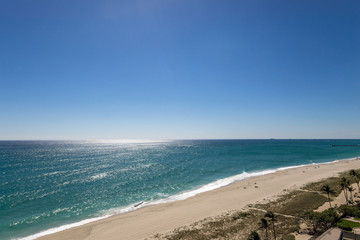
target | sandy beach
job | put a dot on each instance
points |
(163, 218)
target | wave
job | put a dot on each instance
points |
(62, 228)
(99, 176)
(181, 196)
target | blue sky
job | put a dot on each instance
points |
(179, 69)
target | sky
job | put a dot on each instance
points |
(179, 69)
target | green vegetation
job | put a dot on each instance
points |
(347, 225)
(349, 210)
(321, 220)
(295, 203)
(332, 182)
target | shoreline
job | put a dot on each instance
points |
(204, 204)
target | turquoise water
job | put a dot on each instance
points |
(47, 184)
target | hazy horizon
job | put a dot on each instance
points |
(138, 140)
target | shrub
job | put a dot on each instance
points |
(322, 220)
(349, 210)
(253, 236)
(328, 218)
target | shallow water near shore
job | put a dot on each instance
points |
(48, 184)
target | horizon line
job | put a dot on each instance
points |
(174, 139)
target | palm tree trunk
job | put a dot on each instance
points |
(329, 200)
(266, 233)
(273, 223)
(346, 197)
(349, 197)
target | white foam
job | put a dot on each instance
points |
(62, 228)
(181, 196)
(60, 210)
(99, 176)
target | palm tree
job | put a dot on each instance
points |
(265, 225)
(253, 236)
(350, 189)
(326, 189)
(271, 215)
(356, 176)
(344, 184)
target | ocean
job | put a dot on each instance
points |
(48, 186)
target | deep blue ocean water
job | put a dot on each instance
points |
(51, 184)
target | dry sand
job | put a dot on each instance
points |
(162, 218)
